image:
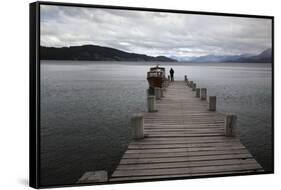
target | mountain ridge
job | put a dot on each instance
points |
(263, 57)
(95, 53)
(102, 53)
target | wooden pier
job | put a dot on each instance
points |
(183, 135)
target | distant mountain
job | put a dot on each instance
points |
(263, 57)
(95, 53)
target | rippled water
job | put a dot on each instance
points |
(86, 109)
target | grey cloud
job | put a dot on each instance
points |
(154, 33)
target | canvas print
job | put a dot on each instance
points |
(140, 95)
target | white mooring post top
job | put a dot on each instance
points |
(137, 126)
(151, 103)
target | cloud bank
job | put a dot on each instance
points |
(154, 33)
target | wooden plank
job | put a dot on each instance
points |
(161, 146)
(183, 153)
(186, 164)
(175, 176)
(155, 142)
(186, 158)
(183, 149)
(186, 170)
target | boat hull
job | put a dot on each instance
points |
(155, 82)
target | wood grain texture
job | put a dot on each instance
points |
(183, 139)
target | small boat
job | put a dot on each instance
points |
(156, 76)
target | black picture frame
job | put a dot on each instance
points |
(34, 83)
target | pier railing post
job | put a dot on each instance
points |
(162, 92)
(230, 125)
(197, 92)
(150, 92)
(137, 126)
(193, 86)
(203, 93)
(212, 103)
(190, 84)
(157, 93)
(151, 103)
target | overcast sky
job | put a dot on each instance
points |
(152, 33)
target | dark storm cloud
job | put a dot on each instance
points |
(154, 33)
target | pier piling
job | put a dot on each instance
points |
(203, 93)
(190, 84)
(151, 103)
(230, 125)
(193, 86)
(157, 92)
(137, 126)
(197, 92)
(212, 103)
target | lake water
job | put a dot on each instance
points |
(86, 109)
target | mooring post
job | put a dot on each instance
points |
(157, 93)
(150, 92)
(151, 103)
(197, 92)
(190, 84)
(212, 103)
(161, 92)
(230, 125)
(203, 93)
(193, 86)
(137, 126)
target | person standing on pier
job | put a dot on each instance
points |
(172, 74)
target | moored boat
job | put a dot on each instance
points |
(156, 77)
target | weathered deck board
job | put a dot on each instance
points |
(183, 139)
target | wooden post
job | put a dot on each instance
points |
(151, 103)
(161, 92)
(197, 92)
(193, 86)
(137, 126)
(185, 78)
(203, 93)
(212, 103)
(190, 83)
(230, 125)
(157, 93)
(150, 92)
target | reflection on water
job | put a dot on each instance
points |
(86, 109)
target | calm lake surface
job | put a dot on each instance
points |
(86, 109)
